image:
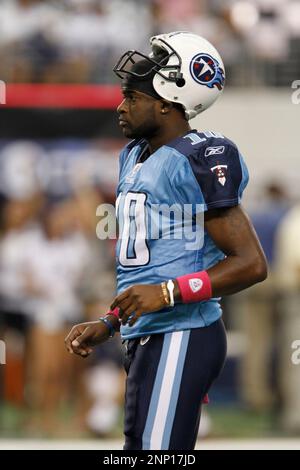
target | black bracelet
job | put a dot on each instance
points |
(109, 325)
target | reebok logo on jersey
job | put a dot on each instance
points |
(214, 151)
(195, 284)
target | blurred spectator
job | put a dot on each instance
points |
(19, 232)
(104, 379)
(288, 285)
(259, 304)
(19, 169)
(79, 40)
(58, 167)
(70, 41)
(54, 267)
(53, 273)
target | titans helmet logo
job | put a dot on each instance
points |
(207, 71)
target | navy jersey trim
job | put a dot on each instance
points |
(223, 203)
(222, 176)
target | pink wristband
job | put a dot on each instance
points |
(194, 287)
(114, 312)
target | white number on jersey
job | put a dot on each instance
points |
(133, 247)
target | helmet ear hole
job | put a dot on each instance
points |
(180, 82)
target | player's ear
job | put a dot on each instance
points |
(165, 106)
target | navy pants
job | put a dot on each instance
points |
(168, 375)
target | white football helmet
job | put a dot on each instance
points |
(189, 70)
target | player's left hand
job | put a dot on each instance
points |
(142, 298)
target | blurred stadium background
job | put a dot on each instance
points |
(59, 145)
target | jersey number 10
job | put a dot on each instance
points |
(134, 250)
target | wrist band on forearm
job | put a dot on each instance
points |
(194, 287)
(109, 326)
(115, 312)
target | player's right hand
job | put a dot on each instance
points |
(84, 336)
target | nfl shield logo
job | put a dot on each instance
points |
(220, 171)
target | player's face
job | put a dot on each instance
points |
(138, 115)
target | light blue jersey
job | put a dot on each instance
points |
(194, 173)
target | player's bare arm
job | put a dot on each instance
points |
(245, 262)
(244, 265)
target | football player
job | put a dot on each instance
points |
(175, 183)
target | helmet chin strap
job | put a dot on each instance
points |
(191, 114)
